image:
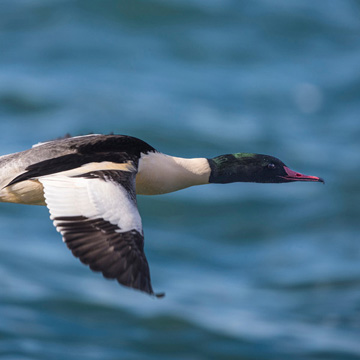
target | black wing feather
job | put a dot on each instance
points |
(118, 255)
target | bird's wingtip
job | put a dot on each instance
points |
(159, 295)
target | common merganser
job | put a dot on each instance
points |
(90, 183)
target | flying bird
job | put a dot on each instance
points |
(89, 184)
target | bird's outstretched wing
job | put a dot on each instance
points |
(97, 216)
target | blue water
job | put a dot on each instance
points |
(250, 271)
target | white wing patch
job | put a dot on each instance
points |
(91, 198)
(95, 166)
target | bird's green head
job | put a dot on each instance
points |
(245, 167)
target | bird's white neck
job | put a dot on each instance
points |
(160, 174)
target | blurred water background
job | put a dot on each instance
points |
(251, 271)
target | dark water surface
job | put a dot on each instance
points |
(251, 271)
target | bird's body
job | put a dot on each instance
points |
(157, 173)
(90, 183)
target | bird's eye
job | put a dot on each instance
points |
(271, 166)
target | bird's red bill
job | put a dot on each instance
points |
(296, 176)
